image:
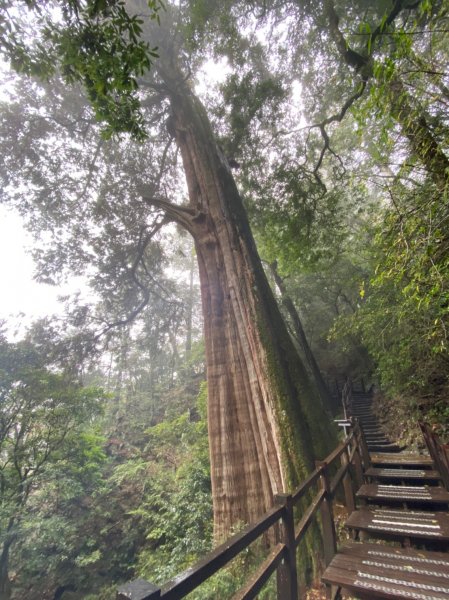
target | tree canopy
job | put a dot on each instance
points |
(285, 165)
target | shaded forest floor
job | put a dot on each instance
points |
(399, 416)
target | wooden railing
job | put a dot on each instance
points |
(437, 450)
(346, 399)
(342, 468)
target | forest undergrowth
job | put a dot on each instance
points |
(399, 417)
(252, 193)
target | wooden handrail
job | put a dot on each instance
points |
(304, 523)
(437, 450)
(339, 449)
(191, 578)
(337, 478)
(306, 485)
(282, 558)
(262, 575)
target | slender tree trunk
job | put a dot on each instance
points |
(5, 583)
(122, 367)
(301, 337)
(266, 421)
(189, 315)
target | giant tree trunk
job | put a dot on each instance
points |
(301, 337)
(266, 421)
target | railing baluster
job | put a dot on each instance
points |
(347, 482)
(357, 460)
(327, 517)
(280, 516)
(363, 447)
(287, 577)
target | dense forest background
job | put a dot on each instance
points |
(332, 117)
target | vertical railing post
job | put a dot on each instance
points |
(327, 515)
(347, 482)
(350, 396)
(366, 458)
(287, 577)
(358, 469)
(139, 589)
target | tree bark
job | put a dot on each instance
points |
(266, 421)
(189, 312)
(302, 338)
(5, 583)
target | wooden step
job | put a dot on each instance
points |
(420, 461)
(375, 447)
(403, 474)
(393, 523)
(421, 494)
(377, 440)
(372, 571)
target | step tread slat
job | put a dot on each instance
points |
(374, 571)
(401, 473)
(403, 493)
(432, 526)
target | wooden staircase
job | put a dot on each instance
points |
(404, 503)
(402, 500)
(361, 409)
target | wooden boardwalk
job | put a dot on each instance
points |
(404, 503)
(398, 500)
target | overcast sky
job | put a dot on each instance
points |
(19, 293)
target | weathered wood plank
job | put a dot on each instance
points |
(306, 519)
(403, 473)
(306, 485)
(428, 557)
(421, 494)
(373, 571)
(408, 460)
(432, 526)
(336, 479)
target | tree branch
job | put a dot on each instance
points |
(183, 215)
(90, 172)
(351, 58)
(338, 117)
(397, 8)
(146, 292)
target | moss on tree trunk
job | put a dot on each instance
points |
(266, 421)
